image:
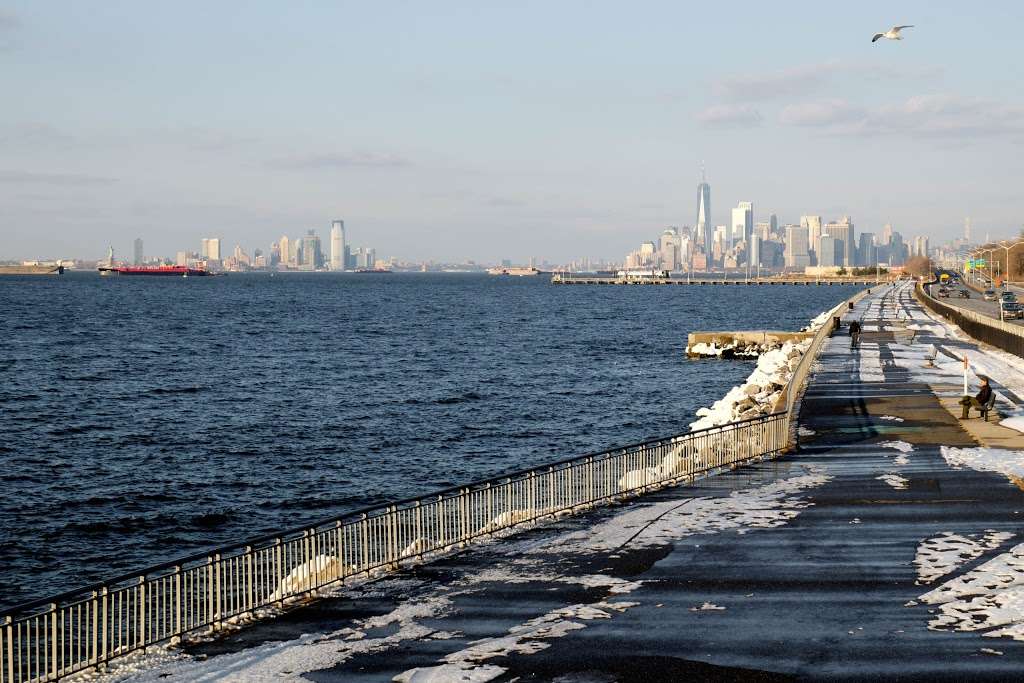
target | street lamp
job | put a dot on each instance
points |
(1007, 249)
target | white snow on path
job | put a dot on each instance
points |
(901, 446)
(941, 554)
(894, 480)
(891, 418)
(660, 523)
(989, 598)
(1009, 463)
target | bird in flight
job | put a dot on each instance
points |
(892, 34)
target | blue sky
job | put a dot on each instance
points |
(452, 130)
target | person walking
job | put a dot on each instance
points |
(854, 334)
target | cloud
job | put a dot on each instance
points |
(952, 117)
(730, 116)
(340, 161)
(60, 179)
(805, 80)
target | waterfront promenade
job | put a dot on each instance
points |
(887, 547)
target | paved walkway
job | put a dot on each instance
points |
(871, 553)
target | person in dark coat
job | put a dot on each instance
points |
(854, 334)
(983, 395)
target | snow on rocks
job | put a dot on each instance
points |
(732, 349)
(759, 394)
(940, 555)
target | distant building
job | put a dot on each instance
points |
(703, 233)
(796, 254)
(920, 246)
(311, 256)
(828, 250)
(742, 224)
(211, 249)
(284, 251)
(669, 249)
(813, 225)
(338, 245)
(181, 258)
(138, 257)
(867, 253)
(842, 232)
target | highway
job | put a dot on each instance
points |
(977, 304)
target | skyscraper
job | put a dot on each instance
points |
(310, 251)
(211, 248)
(842, 232)
(338, 245)
(828, 251)
(867, 254)
(138, 260)
(813, 225)
(285, 247)
(704, 234)
(742, 223)
(796, 247)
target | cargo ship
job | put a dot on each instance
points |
(169, 271)
(32, 270)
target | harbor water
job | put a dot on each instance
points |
(144, 419)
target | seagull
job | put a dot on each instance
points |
(892, 34)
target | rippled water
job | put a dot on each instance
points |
(142, 419)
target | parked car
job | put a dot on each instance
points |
(989, 295)
(1012, 310)
(964, 294)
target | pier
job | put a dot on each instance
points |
(866, 532)
(567, 279)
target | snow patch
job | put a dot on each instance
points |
(901, 446)
(1009, 463)
(894, 480)
(940, 555)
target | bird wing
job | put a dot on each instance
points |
(877, 36)
(897, 29)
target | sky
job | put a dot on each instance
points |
(485, 130)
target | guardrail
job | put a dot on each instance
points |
(998, 333)
(49, 639)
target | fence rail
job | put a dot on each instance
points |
(86, 628)
(990, 330)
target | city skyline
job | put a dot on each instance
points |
(469, 147)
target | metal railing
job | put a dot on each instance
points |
(83, 629)
(990, 330)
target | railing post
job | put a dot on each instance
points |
(532, 497)
(211, 594)
(177, 604)
(250, 597)
(143, 612)
(339, 538)
(53, 640)
(9, 649)
(366, 543)
(279, 572)
(105, 625)
(420, 538)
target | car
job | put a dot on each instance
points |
(943, 293)
(989, 295)
(1011, 310)
(1008, 296)
(964, 294)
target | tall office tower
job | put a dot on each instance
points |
(886, 235)
(763, 230)
(829, 249)
(867, 254)
(773, 224)
(742, 223)
(897, 250)
(967, 230)
(138, 260)
(284, 251)
(703, 233)
(211, 249)
(371, 258)
(796, 255)
(813, 225)
(754, 250)
(668, 246)
(338, 245)
(842, 232)
(310, 251)
(920, 246)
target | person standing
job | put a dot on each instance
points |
(854, 334)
